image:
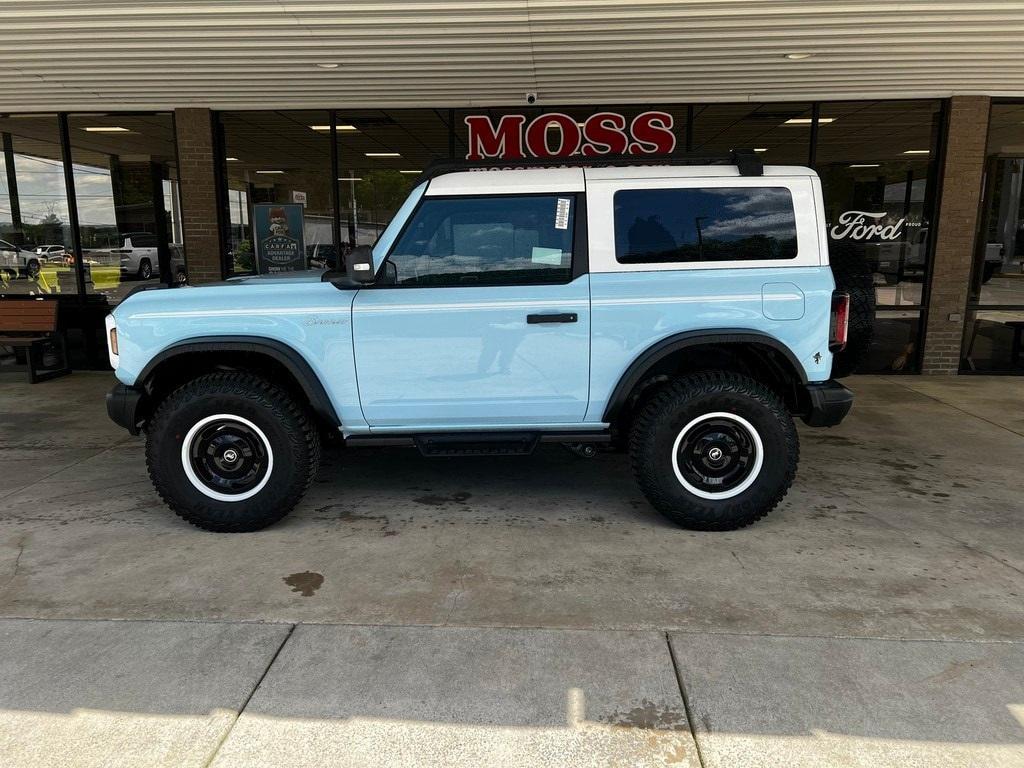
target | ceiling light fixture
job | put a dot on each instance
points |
(798, 56)
(106, 129)
(760, 149)
(808, 120)
(917, 152)
(327, 64)
(863, 165)
(383, 154)
(327, 127)
(410, 171)
(269, 171)
(350, 178)
(231, 159)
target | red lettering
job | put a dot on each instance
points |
(568, 136)
(505, 141)
(605, 133)
(652, 134)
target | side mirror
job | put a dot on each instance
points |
(359, 264)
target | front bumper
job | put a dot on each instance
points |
(123, 406)
(829, 402)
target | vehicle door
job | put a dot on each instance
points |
(9, 256)
(480, 316)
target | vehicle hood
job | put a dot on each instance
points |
(206, 308)
(303, 276)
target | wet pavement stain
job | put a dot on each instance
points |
(440, 501)
(649, 716)
(305, 583)
(829, 439)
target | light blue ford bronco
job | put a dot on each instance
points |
(681, 313)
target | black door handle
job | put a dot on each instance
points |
(564, 317)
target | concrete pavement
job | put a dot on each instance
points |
(491, 595)
(86, 694)
(83, 693)
(839, 702)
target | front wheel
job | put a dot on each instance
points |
(145, 269)
(714, 451)
(231, 452)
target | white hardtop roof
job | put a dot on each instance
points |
(539, 180)
(688, 171)
(523, 180)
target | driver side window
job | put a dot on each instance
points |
(498, 240)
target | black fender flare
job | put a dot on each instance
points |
(672, 344)
(278, 351)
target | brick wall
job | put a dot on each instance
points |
(957, 226)
(198, 195)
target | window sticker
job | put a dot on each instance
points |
(550, 256)
(562, 213)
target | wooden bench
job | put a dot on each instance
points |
(31, 324)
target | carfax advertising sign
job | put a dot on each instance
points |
(279, 242)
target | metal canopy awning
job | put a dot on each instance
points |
(258, 54)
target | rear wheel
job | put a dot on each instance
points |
(231, 452)
(145, 269)
(714, 451)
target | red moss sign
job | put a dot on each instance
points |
(556, 134)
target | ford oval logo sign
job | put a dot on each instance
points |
(865, 225)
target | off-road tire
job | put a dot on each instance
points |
(653, 440)
(290, 431)
(852, 275)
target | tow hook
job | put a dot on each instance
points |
(583, 450)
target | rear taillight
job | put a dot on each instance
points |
(839, 323)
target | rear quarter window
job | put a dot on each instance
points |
(704, 224)
(142, 240)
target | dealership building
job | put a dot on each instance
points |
(153, 142)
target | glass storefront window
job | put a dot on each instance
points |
(278, 174)
(380, 156)
(125, 175)
(35, 228)
(995, 316)
(780, 133)
(877, 163)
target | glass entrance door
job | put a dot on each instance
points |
(994, 331)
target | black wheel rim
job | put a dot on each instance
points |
(716, 455)
(228, 457)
